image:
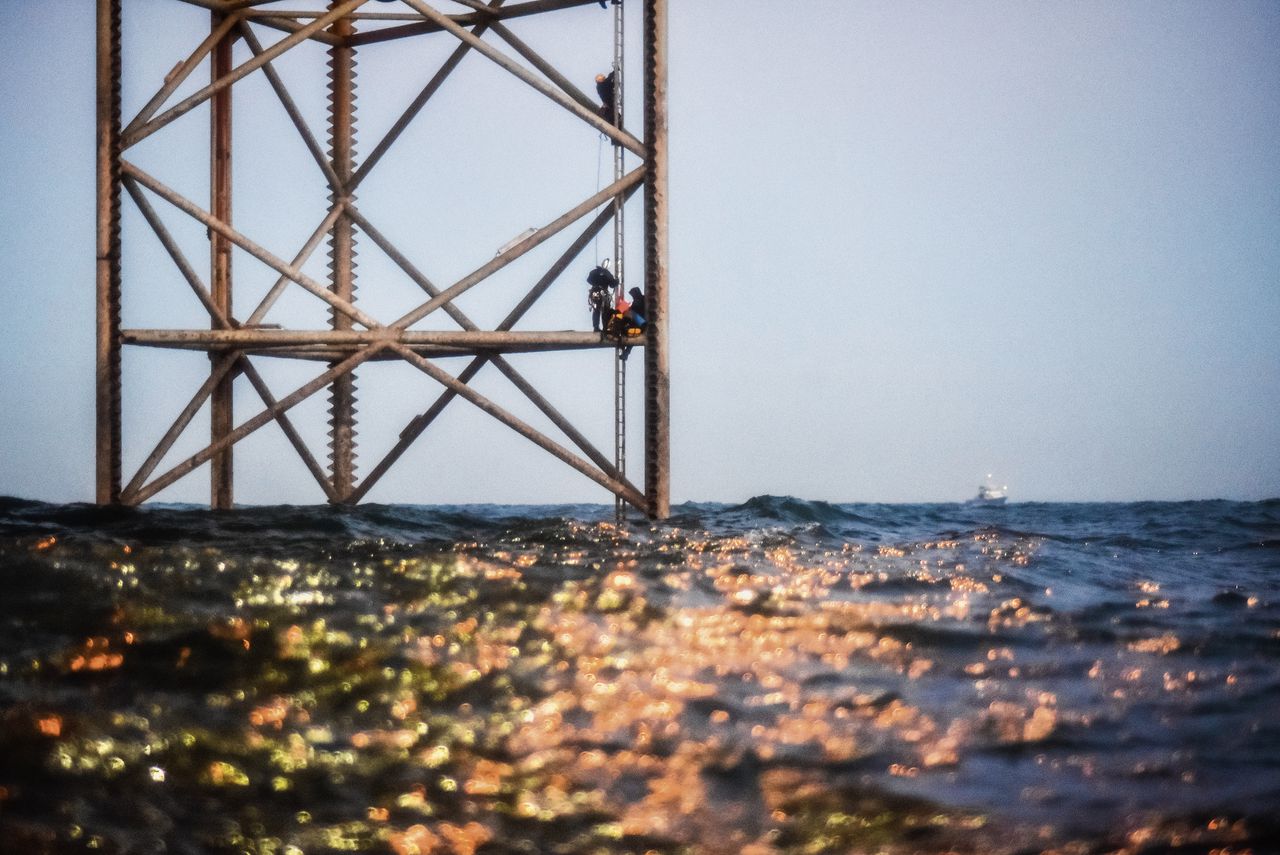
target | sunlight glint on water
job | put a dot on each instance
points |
(775, 677)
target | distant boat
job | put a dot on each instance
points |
(989, 494)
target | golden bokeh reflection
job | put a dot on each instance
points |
(589, 691)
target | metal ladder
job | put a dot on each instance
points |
(619, 361)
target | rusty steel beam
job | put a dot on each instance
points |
(182, 108)
(505, 367)
(217, 316)
(415, 107)
(286, 25)
(469, 19)
(221, 421)
(657, 382)
(284, 338)
(535, 59)
(313, 242)
(220, 370)
(501, 364)
(575, 249)
(342, 252)
(283, 405)
(557, 418)
(294, 274)
(587, 114)
(402, 261)
(416, 427)
(537, 238)
(441, 376)
(178, 76)
(268, 18)
(107, 373)
(302, 15)
(291, 108)
(286, 426)
(211, 5)
(238, 338)
(321, 353)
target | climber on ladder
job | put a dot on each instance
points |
(601, 285)
(605, 89)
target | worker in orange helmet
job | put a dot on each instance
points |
(605, 89)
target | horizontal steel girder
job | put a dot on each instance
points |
(458, 340)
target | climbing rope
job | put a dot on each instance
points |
(599, 185)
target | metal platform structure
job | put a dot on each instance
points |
(236, 340)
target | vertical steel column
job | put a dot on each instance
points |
(108, 258)
(221, 422)
(342, 414)
(657, 458)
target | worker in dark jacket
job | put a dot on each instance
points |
(639, 313)
(605, 89)
(600, 295)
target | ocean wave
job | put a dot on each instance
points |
(788, 509)
(806, 676)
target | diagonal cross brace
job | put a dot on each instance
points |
(286, 100)
(416, 106)
(220, 371)
(297, 396)
(416, 427)
(518, 10)
(193, 210)
(501, 363)
(546, 443)
(181, 73)
(500, 261)
(143, 131)
(589, 116)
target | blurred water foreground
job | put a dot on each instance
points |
(774, 677)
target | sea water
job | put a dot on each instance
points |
(779, 676)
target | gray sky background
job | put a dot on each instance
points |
(912, 243)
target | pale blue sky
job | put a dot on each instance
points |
(912, 243)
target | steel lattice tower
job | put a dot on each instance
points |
(353, 338)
